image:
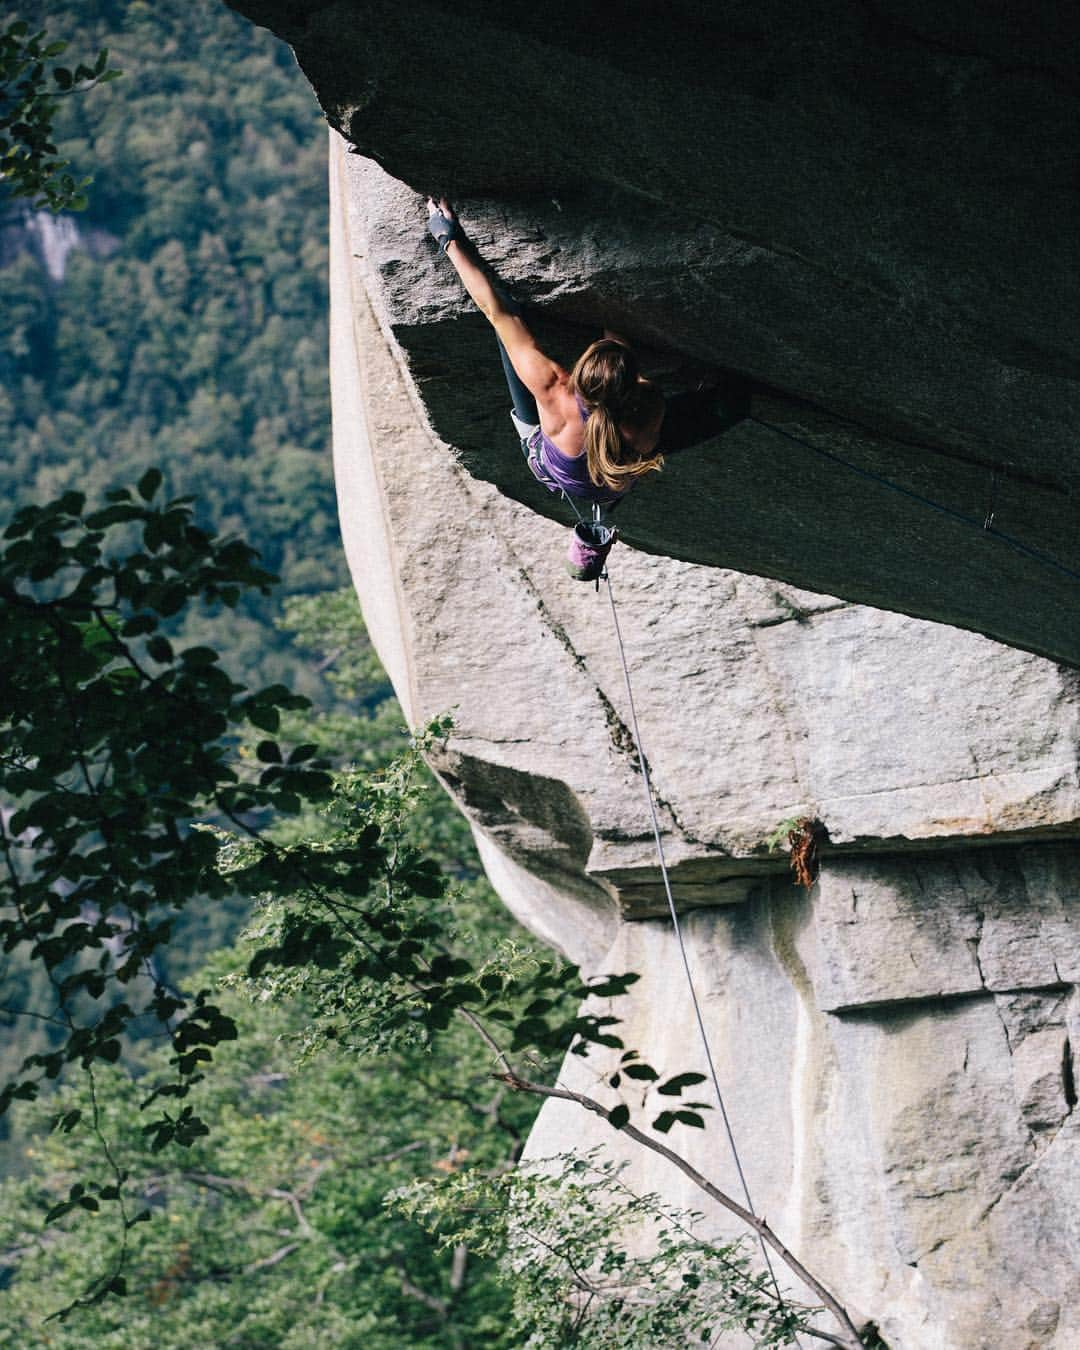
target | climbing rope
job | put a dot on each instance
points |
(984, 526)
(644, 766)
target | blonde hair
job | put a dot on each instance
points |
(605, 378)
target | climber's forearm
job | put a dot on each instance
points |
(476, 281)
(539, 374)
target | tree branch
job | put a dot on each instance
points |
(267, 1261)
(438, 1305)
(850, 1339)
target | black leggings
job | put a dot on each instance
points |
(524, 403)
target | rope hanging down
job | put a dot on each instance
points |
(678, 931)
(984, 526)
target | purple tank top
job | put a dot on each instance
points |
(572, 474)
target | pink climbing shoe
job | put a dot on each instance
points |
(589, 546)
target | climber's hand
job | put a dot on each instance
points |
(442, 222)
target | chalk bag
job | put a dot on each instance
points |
(589, 546)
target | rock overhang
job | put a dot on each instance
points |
(902, 1036)
(863, 214)
(758, 702)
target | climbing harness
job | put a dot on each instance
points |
(591, 540)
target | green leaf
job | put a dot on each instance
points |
(618, 1116)
(611, 986)
(263, 716)
(199, 657)
(644, 1072)
(149, 483)
(159, 650)
(675, 1085)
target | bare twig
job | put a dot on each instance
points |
(293, 1200)
(458, 1268)
(273, 1259)
(438, 1305)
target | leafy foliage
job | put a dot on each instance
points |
(116, 742)
(190, 323)
(117, 736)
(112, 742)
(270, 1229)
(30, 165)
(562, 1230)
(360, 923)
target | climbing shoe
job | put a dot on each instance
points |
(589, 546)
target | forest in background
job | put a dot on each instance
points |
(191, 332)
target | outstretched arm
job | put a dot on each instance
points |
(538, 372)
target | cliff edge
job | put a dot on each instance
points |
(808, 210)
(867, 212)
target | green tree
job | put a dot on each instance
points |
(115, 744)
(190, 320)
(271, 1229)
(31, 90)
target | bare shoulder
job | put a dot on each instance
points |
(537, 370)
(560, 417)
(557, 405)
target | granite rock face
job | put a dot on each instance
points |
(867, 214)
(866, 211)
(896, 1047)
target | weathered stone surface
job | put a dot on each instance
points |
(868, 211)
(756, 702)
(896, 1047)
(946, 924)
(923, 1155)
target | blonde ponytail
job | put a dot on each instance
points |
(605, 378)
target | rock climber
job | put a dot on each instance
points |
(592, 431)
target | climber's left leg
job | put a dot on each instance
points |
(524, 415)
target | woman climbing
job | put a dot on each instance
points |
(593, 431)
